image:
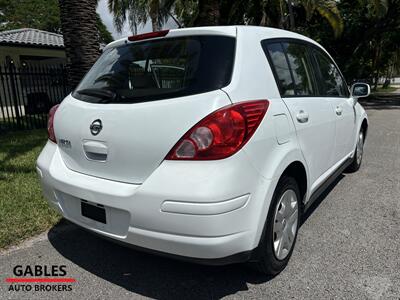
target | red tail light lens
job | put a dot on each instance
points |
(222, 133)
(149, 35)
(50, 124)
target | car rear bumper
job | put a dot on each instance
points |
(200, 210)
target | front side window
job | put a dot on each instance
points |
(332, 83)
(300, 64)
(159, 69)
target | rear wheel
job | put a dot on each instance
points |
(280, 232)
(358, 155)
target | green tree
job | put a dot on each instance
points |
(370, 41)
(137, 12)
(326, 9)
(39, 14)
(275, 13)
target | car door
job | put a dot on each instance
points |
(333, 87)
(311, 115)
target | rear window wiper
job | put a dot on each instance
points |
(105, 95)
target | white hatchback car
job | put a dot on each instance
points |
(205, 144)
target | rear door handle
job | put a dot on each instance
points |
(302, 116)
(338, 110)
(95, 150)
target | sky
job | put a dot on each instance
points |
(107, 18)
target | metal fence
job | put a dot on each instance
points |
(27, 93)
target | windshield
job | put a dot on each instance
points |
(159, 69)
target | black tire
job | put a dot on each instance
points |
(267, 261)
(356, 163)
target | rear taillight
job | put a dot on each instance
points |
(150, 35)
(50, 124)
(222, 133)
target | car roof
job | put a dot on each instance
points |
(231, 30)
(270, 33)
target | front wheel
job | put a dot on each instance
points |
(280, 232)
(358, 155)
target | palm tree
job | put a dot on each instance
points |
(326, 8)
(377, 9)
(215, 12)
(81, 38)
(278, 13)
(137, 12)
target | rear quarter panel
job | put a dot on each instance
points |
(253, 79)
(274, 146)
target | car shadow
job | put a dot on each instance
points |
(154, 276)
(150, 275)
(320, 199)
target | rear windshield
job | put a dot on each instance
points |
(159, 69)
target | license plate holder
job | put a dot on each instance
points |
(95, 212)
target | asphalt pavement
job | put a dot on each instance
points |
(347, 248)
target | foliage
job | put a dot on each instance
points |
(38, 14)
(128, 11)
(105, 36)
(137, 12)
(362, 35)
(185, 10)
(369, 44)
(221, 12)
(275, 13)
(327, 10)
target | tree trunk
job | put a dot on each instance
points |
(291, 16)
(282, 16)
(154, 13)
(81, 38)
(209, 13)
(154, 24)
(264, 16)
(376, 64)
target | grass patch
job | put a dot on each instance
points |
(23, 210)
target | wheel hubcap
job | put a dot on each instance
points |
(360, 147)
(285, 224)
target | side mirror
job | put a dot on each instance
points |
(360, 90)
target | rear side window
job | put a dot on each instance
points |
(300, 64)
(292, 66)
(332, 83)
(280, 64)
(159, 69)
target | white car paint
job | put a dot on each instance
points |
(199, 209)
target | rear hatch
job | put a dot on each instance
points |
(138, 100)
